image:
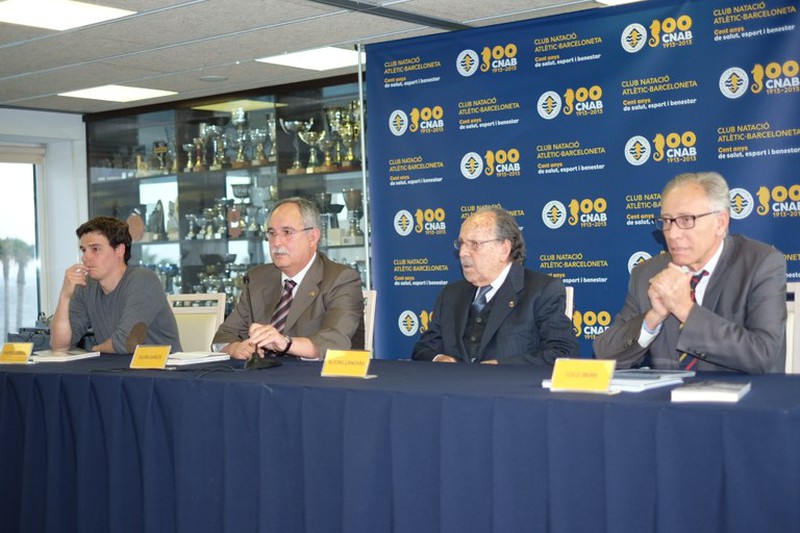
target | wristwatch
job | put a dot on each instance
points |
(288, 345)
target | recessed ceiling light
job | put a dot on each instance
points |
(616, 2)
(117, 93)
(213, 79)
(327, 58)
(247, 105)
(57, 14)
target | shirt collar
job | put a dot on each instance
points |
(298, 278)
(498, 282)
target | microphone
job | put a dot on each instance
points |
(699, 358)
(256, 362)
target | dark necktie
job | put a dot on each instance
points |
(685, 361)
(480, 298)
(282, 311)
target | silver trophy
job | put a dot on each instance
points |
(273, 139)
(336, 117)
(352, 199)
(293, 127)
(215, 137)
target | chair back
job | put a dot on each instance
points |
(570, 301)
(370, 300)
(198, 317)
(792, 328)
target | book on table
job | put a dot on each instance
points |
(194, 358)
(710, 391)
(62, 356)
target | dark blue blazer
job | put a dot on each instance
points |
(527, 322)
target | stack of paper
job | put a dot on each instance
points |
(193, 358)
(49, 356)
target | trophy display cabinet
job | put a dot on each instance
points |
(196, 181)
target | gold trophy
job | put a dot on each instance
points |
(259, 138)
(189, 148)
(336, 116)
(239, 121)
(352, 199)
(311, 138)
(292, 128)
(327, 144)
(349, 131)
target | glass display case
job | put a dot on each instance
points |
(196, 181)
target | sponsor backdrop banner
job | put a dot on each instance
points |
(574, 124)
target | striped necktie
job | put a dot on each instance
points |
(282, 311)
(685, 361)
(480, 298)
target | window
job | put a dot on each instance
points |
(19, 283)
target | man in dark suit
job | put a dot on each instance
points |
(302, 304)
(713, 302)
(501, 312)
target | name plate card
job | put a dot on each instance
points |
(582, 375)
(16, 353)
(150, 356)
(346, 363)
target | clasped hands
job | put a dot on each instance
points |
(262, 338)
(669, 294)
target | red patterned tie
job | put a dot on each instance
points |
(282, 311)
(685, 361)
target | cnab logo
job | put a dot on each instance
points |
(408, 323)
(671, 32)
(554, 214)
(590, 323)
(741, 203)
(637, 150)
(403, 223)
(467, 63)
(634, 37)
(636, 259)
(471, 165)
(733, 83)
(398, 122)
(549, 105)
(776, 78)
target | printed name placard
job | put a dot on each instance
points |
(346, 363)
(582, 375)
(150, 356)
(16, 353)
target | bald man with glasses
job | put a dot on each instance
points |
(713, 301)
(302, 304)
(500, 312)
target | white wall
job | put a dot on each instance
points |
(62, 187)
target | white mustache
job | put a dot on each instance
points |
(279, 251)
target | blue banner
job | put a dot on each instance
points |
(574, 124)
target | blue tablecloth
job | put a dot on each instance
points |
(87, 446)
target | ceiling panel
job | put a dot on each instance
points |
(172, 44)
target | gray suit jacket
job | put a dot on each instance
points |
(526, 324)
(328, 306)
(740, 325)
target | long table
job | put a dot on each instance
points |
(423, 447)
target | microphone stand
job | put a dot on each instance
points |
(256, 362)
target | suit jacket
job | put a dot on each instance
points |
(328, 306)
(526, 323)
(740, 325)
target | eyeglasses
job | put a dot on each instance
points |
(472, 246)
(683, 221)
(286, 233)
